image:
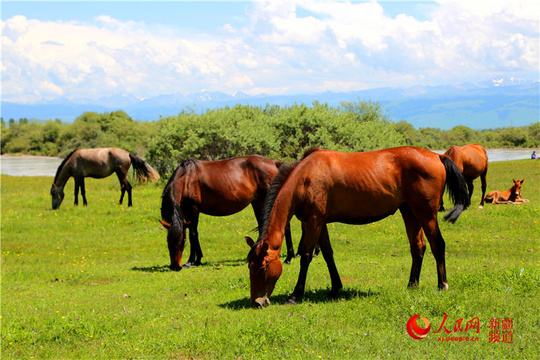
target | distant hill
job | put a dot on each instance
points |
(491, 104)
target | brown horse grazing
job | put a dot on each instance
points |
(98, 163)
(510, 196)
(217, 188)
(472, 160)
(355, 188)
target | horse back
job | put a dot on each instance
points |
(225, 187)
(365, 187)
(471, 159)
(100, 162)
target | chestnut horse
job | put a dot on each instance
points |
(217, 188)
(355, 188)
(510, 196)
(98, 163)
(472, 160)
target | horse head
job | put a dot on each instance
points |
(57, 193)
(264, 271)
(516, 189)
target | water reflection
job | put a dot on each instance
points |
(29, 166)
(46, 166)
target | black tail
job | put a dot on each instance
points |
(457, 189)
(143, 170)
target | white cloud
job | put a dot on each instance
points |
(335, 46)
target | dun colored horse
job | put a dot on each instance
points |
(217, 188)
(472, 160)
(355, 188)
(98, 163)
(510, 196)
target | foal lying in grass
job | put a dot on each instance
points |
(510, 196)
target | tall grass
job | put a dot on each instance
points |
(93, 282)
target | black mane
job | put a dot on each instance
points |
(281, 177)
(62, 165)
(167, 197)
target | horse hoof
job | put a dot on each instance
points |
(291, 301)
(288, 262)
(175, 268)
(480, 207)
(443, 287)
(188, 265)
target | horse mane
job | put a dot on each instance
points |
(62, 165)
(168, 203)
(279, 180)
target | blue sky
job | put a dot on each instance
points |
(75, 50)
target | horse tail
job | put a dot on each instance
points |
(457, 189)
(143, 170)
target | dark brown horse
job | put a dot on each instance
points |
(357, 188)
(98, 163)
(217, 188)
(472, 160)
(510, 196)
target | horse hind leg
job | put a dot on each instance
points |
(438, 248)
(484, 187)
(417, 244)
(125, 186)
(470, 186)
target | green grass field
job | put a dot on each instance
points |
(93, 282)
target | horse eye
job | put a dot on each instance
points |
(262, 269)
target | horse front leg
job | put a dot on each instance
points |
(288, 241)
(313, 230)
(77, 186)
(328, 255)
(195, 254)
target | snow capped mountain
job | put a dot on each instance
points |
(498, 102)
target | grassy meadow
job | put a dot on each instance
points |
(93, 282)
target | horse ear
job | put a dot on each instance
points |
(165, 224)
(249, 241)
(522, 181)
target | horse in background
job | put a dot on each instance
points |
(472, 160)
(510, 196)
(98, 163)
(355, 188)
(217, 188)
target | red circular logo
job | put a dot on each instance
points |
(415, 331)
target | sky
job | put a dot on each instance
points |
(89, 50)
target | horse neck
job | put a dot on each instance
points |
(63, 176)
(281, 213)
(512, 191)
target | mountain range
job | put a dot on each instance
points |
(496, 103)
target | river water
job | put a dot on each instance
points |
(46, 166)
